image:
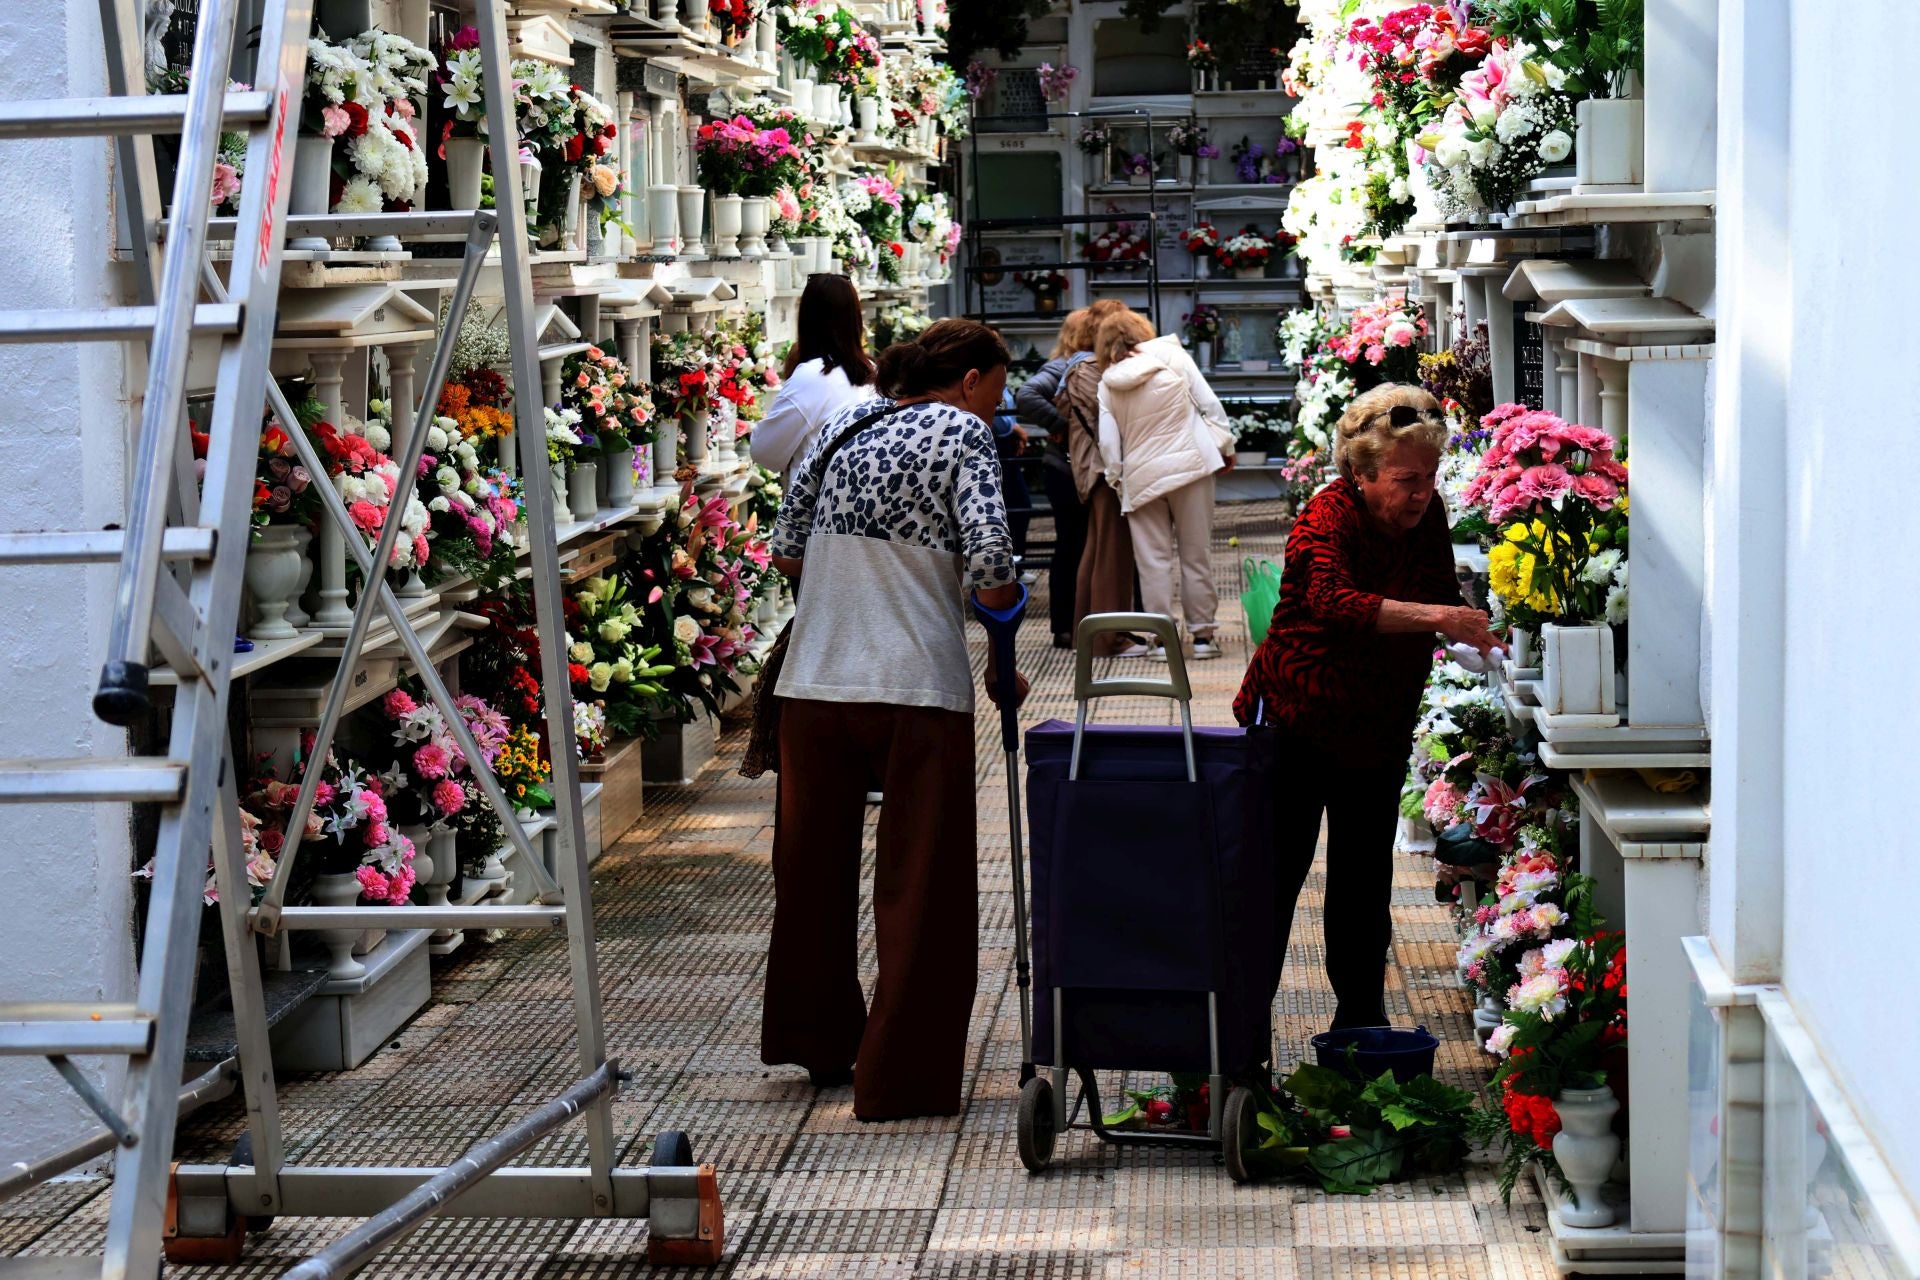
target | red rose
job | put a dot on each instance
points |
(1475, 42)
(574, 147)
(899, 250)
(356, 119)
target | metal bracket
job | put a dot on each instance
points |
(94, 1099)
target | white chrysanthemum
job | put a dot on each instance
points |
(360, 195)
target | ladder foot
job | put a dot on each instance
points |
(200, 1229)
(122, 697)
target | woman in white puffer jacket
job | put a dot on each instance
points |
(1163, 435)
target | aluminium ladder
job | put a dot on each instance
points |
(206, 1209)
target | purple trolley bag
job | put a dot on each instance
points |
(1153, 901)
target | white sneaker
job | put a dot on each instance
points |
(1204, 649)
(1139, 651)
(1159, 653)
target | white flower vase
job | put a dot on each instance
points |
(663, 212)
(435, 868)
(693, 220)
(582, 499)
(1487, 1016)
(1586, 1148)
(341, 889)
(465, 161)
(766, 36)
(1203, 267)
(698, 425)
(869, 120)
(1577, 671)
(1290, 268)
(558, 471)
(756, 215)
(273, 576)
(802, 91)
(1250, 458)
(666, 451)
(726, 226)
(1258, 272)
(766, 611)
(1203, 356)
(600, 473)
(1609, 146)
(312, 186)
(296, 612)
(618, 469)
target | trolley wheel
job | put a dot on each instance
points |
(1035, 1130)
(1239, 1131)
(671, 1150)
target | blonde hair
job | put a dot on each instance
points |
(1382, 418)
(1119, 334)
(1076, 333)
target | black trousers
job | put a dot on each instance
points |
(1360, 805)
(1019, 501)
(1069, 541)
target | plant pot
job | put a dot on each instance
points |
(617, 467)
(802, 91)
(1203, 356)
(1203, 268)
(766, 37)
(693, 219)
(1523, 648)
(296, 612)
(726, 226)
(339, 890)
(273, 577)
(1586, 1148)
(583, 501)
(1046, 303)
(1253, 365)
(869, 120)
(1609, 145)
(1577, 670)
(698, 425)
(312, 188)
(1250, 458)
(1139, 179)
(1250, 273)
(466, 158)
(558, 473)
(666, 451)
(663, 214)
(756, 214)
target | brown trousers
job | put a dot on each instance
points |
(908, 1048)
(1106, 565)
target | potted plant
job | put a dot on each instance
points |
(1200, 331)
(1186, 139)
(1246, 254)
(615, 407)
(463, 135)
(1046, 287)
(1204, 65)
(1256, 437)
(1201, 239)
(1094, 140)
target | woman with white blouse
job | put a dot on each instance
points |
(827, 369)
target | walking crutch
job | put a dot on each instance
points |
(1002, 626)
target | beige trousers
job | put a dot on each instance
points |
(1185, 516)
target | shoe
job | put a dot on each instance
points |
(1159, 653)
(1061, 640)
(835, 1079)
(1204, 649)
(1139, 651)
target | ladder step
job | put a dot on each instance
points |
(421, 222)
(108, 324)
(407, 917)
(98, 546)
(71, 1029)
(63, 781)
(138, 113)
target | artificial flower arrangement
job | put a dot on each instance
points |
(872, 204)
(614, 406)
(473, 508)
(369, 481)
(347, 831)
(1094, 137)
(1042, 284)
(978, 78)
(682, 372)
(740, 156)
(764, 495)
(282, 487)
(360, 93)
(1381, 341)
(1186, 138)
(523, 770)
(1557, 495)
(566, 440)
(1120, 242)
(604, 659)
(1250, 164)
(590, 731)
(1139, 165)
(1200, 56)
(1201, 326)
(230, 162)
(1509, 120)
(735, 18)
(429, 781)
(834, 43)
(1258, 430)
(1056, 82)
(898, 322)
(1201, 239)
(1246, 250)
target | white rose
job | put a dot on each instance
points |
(685, 629)
(582, 652)
(440, 504)
(1449, 151)
(1556, 76)
(436, 439)
(1400, 333)
(1397, 191)
(1480, 152)
(1555, 146)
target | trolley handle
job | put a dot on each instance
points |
(1002, 626)
(1086, 688)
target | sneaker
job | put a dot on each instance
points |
(1140, 651)
(1159, 653)
(1204, 649)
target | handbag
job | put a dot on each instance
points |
(763, 734)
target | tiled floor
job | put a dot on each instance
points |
(683, 904)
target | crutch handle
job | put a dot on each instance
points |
(1002, 626)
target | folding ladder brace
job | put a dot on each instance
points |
(203, 1211)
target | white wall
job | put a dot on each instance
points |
(64, 929)
(1852, 606)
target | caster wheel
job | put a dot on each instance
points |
(1036, 1132)
(1239, 1132)
(672, 1150)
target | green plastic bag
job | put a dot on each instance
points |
(1260, 595)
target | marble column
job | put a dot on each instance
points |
(550, 382)
(1566, 376)
(1613, 397)
(334, 609)
(402, 404)
(627, 338)
(1589, 399)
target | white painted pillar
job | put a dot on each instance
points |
(1587, 399)
(1666, 541)
(1565, 377)
(1681, 105)
(1662, 906)
(404, 400)
(1612, 376)
(334, 610)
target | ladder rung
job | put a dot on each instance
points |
(98, 546)
(425, 222)
(139, 113)
(71, 1029)
(62, 781)
(108, 324)
(405, 917)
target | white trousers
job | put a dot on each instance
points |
(1185, 516)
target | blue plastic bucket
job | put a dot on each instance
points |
(1406, 1053)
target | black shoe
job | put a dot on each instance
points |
(1061, 640)
(834, 1079)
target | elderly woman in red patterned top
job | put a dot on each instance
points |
(1367, 584)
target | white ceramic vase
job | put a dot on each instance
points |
(618, 469)
(1577, 670)
(1609, 144)
(582, 500)
(340, 889)
(693, 219)
(663, 212)
(726, 226)
(312, 188)
(465, 162)
(869, 120)
(296, 612)
(666, 451)
(697, 425)
(1487, 1016)
(802, 91)
(1585, 1149)
(558, 472)
(273, 576)
(756, 215)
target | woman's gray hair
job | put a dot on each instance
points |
(1382, 418)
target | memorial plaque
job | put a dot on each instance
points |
(1529, 361)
